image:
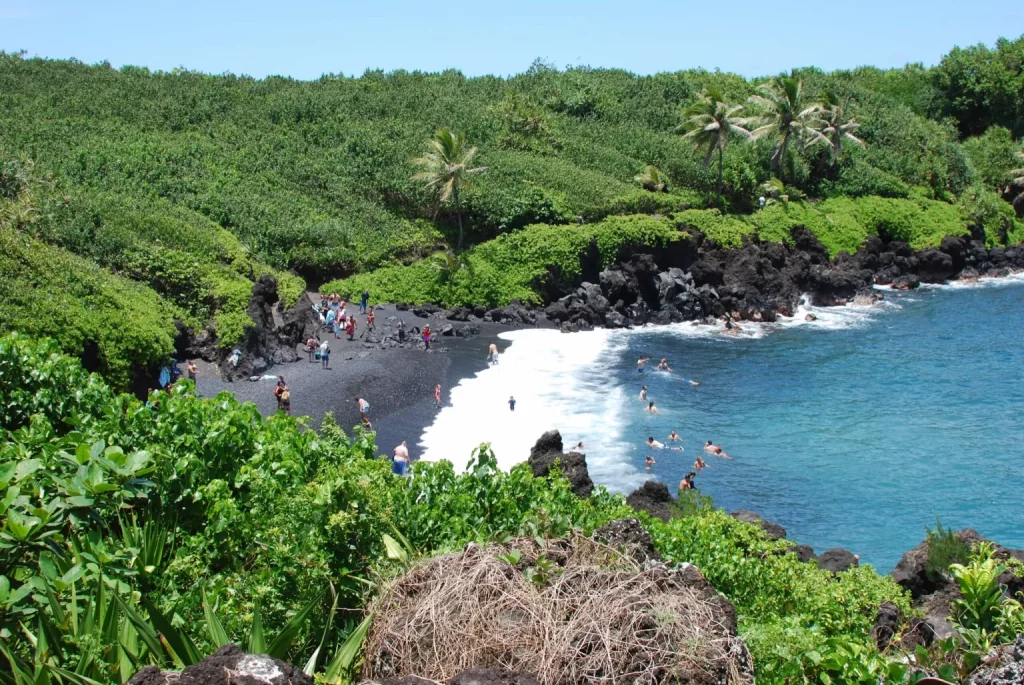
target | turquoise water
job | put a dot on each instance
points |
(855, 432)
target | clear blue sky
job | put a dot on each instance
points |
(307, 38)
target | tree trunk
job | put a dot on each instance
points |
(838, 149)
(721, 153)
(458, 213)
(782, 155)
(711, 151)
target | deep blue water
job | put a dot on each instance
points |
(858, 433)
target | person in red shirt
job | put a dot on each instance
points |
(370, 319)
(426, 336)
(350, 327)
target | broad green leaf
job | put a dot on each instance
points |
(178, 640)
(278, 647)
(27, 468)
(394, 550)
(345, 658)
(18, 525)
(8, 500)
(7, 473)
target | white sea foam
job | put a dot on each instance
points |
(982, 282)
(559, 381)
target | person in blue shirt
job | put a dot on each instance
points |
(511, 403)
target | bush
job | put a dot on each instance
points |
(944, 549)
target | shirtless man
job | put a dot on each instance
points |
(715, 450)
(687, 482)
(492, 354)
(649, 462)
(643, 394)
(401, 461)
(654, 444)
(674, 437)
(651, 408)
(640, 364)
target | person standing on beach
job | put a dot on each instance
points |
(311, 348)
(325, 355)
(401, 459)
(437, 396)
(364, 407)
(426, 335)
(192, 371)
(371, 319)
(363, 300)
(331, 317)
(511, 403)
(401, 331)
(492, 354)
(278, 389)
(350, 327)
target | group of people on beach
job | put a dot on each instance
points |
(715, 450)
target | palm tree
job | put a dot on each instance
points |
(836, 125)
(653, 179)
(710, 122)
(445, 168)
(785, 115)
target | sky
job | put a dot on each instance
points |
(307, 38)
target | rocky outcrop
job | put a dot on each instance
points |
(932, 593)
(837, 560)
(761, 281)
(228, 666)
(654, 498)
(273, 339)
(629, 536)
(1003, 666)
(773, 530)
(548, 451)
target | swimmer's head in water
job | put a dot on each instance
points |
(650, 405)
(708, 442)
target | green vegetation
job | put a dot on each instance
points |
(147, 519)
(185, 187)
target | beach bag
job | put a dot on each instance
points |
(316, 355)
(286, 395)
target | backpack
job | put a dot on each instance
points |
(286, 395)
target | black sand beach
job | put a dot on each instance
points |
(397, 382)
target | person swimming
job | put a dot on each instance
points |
(674, 437)
(715, 450)
(663, 365)
(699, 464)
(687, 482)
(654, 444)
(643, 394)
(649, 462)
(651, 408)
(640, 364)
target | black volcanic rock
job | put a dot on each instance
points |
(548, 450)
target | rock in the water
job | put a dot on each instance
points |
(548, 450)
(654, 498)
(837, 560)
(228, 666)
(773, 530)
(629, 536)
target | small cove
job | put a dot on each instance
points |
(856, 430)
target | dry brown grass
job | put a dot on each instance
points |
(599, 617)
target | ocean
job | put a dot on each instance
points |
(857, 430)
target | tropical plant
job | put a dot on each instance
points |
(944, 549)
(710, 122)
(836, 125)
(1017, 175)
(652, 179)
(785, 114)
(446, 169)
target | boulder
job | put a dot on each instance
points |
(935, 266)
(837, 560)
(887, 625)
(654, 498)
(493, 676)
(773, 530)
(425, 311)
(228, 666)
(548, 450)
(630, 536)
(458, 314)
(447, 330)
(804, 553)
(557, 312)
